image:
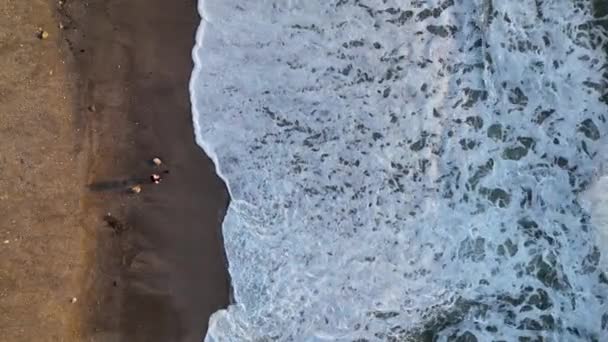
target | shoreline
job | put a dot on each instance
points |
(167, 268)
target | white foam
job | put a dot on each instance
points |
(596, 199)
(372, 191)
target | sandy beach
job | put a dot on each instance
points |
(83, 112)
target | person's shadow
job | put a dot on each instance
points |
(116, 185)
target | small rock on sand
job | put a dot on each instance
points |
(92, 109)
(42, 34)
(73, 300)
(157, 161)
(136, 189)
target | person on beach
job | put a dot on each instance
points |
(155, 178)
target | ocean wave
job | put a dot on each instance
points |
(408, 170)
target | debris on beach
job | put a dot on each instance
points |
(117, 226)
(136, 189)
(42, 34)
(73, 300)
(157, 161)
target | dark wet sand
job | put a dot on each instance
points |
(161, 275)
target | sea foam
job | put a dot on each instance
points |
(408, 170)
